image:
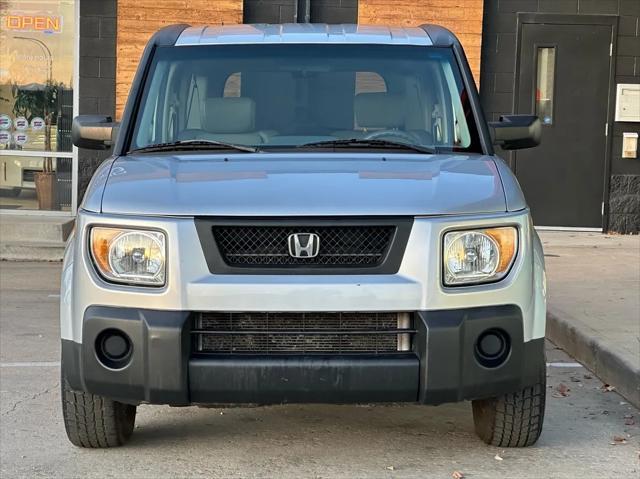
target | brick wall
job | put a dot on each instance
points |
(139, 19)
(462, 17)
(497, 80)
(97, 75)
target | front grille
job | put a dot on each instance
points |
(268, 246)
(302, 333)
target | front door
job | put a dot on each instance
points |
(564, 79)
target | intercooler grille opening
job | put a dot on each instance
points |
(268, 246)
(302, 333)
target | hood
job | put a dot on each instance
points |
(266, 184)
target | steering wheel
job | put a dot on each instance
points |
(403, 135)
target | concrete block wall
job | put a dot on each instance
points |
(284, 11)
(97, 89)
(269, 11)
(497, 78)
(624, 189)
(334, 11)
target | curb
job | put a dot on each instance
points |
(609, 366)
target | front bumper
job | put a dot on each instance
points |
(442, 367)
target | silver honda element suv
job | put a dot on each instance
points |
(303, 214)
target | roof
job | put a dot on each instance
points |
(303, 33)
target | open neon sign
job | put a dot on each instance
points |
(33, 23)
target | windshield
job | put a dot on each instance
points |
(285, 96)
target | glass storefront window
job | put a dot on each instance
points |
(37, 59)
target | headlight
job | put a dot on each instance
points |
(478, 256)
(129, 255)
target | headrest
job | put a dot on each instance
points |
(379, 110)
(229, 115)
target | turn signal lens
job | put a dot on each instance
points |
(507, 239)
(129, 256)
(478, 256)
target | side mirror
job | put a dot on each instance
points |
(94, 132)
(514, 132)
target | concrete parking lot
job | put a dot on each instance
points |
(589, 432)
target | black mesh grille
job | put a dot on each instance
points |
(300, 333)
(340, 246)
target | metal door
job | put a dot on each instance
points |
(564, 74)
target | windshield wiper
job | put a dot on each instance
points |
(360, 142)
(194, 145)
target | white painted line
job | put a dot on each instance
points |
(31, 364)
(569, 228)
(53, 296)
(565, 365)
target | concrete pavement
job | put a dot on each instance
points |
(287, 441)
(594, 303)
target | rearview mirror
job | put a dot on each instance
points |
(94, 132)
(514, 132)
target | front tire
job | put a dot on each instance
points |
(95, 421)
(514, 419)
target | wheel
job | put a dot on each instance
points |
(95, 421)
(514, 419)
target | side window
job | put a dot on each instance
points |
(370, 82)
(233, 86)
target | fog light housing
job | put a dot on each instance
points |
(113, 348)
(492, 348)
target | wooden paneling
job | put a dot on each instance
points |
(139, 19)
(462, 17)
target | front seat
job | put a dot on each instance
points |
(231, 120)
(376, 111)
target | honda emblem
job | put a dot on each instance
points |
(304, 245)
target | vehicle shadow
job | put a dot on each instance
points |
(406, 426)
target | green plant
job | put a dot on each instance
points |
(42, 102)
